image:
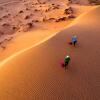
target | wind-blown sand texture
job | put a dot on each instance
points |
(36, 74)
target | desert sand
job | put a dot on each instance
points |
(35, 73)
(30, 22)
(27, 23)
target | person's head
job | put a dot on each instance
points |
(75, 36)
(67, 56)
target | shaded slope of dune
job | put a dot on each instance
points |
(36, 74)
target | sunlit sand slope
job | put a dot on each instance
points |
(36, 74)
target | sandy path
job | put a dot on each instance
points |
(37, 75)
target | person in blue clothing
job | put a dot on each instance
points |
(74, 40)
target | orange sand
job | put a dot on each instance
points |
(36, 74)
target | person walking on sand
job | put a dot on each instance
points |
(66, 61)
(74, 40)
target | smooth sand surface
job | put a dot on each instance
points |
(36, 74)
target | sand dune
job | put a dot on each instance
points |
(36, 74)
(27, 39)
(31, 21)
(30, 16)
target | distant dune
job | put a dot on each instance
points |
(36, 74)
